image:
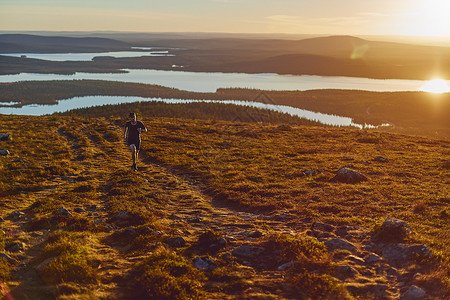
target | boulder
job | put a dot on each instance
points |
(345, 175)
(4, 152)
(401, 254)
(414, 293)
(392, 231)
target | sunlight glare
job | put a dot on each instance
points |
(435, 86)
(432, 18)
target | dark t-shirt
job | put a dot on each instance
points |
(133, 133)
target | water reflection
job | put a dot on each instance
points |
(88, 101)
(88, 56)
(210, 82)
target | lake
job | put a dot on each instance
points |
(80, 102)
(88, 56)
(199, 82)
(210, 82)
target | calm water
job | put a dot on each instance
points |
(210, 82)
(79, 102)
(88, 56)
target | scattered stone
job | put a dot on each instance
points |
(414, 293)
(348, 176)
(377, 290)
(381, 159)
(247, 251)
(227, 256)
(204, 263)
(4, 152)
(17, 215)
(90, 207)
(130, 230)
(2, 220)
(45, 263)
(79, 210)
(344, 272)
(322, 227)
(347, 158)
(357, 260)
(176, 242)
(210, 130)
(122, 215)
(15, 247)
(5, 137)
(285, 266)
(392, 231)
(338, 243)
(62, 211)
(8, 258)
(255, 234)
(372, 258)
(309, 172)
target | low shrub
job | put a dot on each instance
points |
(166, 275)
(70, 261)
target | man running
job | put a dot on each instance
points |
(132, 135)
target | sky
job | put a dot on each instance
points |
(343, 17)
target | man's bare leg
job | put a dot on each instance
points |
(133, 154)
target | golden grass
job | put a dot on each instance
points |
(265, 169)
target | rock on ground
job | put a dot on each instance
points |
(348, 176)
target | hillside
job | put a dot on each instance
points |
(332, 55)
(220, 210)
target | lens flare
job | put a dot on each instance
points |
(435, 86)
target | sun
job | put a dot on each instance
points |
(432, 18)
(435, 86)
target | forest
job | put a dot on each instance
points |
(407, 112)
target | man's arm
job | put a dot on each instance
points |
(125, 132)
(142, 128)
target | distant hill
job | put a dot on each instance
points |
(17, 43)
(295, 64)
(332, 55)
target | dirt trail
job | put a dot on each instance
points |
(190, 210)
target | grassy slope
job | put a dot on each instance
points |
(194, 174)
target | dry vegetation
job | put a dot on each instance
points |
(204, 189)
